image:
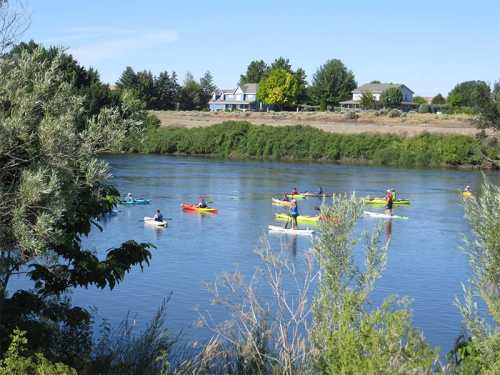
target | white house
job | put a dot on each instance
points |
(377, 89)
(242, 98)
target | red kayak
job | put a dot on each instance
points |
(193, 207)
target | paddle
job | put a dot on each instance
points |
(288, 222)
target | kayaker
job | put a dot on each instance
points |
(158, 215)
(389, 200)
(285, 198)
(320, 192)
(293, 213)
(467, 189)
(202, 203)
(295, 191)
(129, 197)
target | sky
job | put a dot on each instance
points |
(428, 45)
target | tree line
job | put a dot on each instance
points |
(284, 88)
(164, 92)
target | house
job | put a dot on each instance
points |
(242, 98)
(377, 89)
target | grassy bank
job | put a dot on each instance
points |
(242, 140)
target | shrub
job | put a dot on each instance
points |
(351, 115)
(395, 113)
(424, 108)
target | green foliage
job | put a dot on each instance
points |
(480, 351)
(332, 83)
(490, 112)
(392, 97)
(53, 190)
(438, 100)
(394, 113)
(123, 351)
(368, 100)
(419, 100)
(424, 108)
(279, 88)
(256, 71)
(348, 336)
(17, 362)
(470, 96)
(243, 140)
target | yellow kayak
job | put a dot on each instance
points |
(381, 201)
(301, 219)
(280, 202)
(467, 194)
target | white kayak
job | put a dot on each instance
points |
(275, 228)
(152, 221)
(383, 216)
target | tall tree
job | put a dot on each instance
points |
(256, 71)
(167, 91)
(368, 100)
(52, 191)
(301, 77)
(473, 96)
(146, 88)
(438, 99)
(128, 79)
(281, 63)
(207, 88)
(391, 97)
(279, 88)
(332, 83)
(189, 98)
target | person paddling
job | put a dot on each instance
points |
(285, 198)
(467, 189)
(202, 203)
(295, 191)
(158, 215)
(389, 200)
(293, 213)
(129, 197)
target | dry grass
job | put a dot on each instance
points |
(368, 122)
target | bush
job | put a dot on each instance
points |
(395, 113)
(424, 108)
(236, 139)
(351, 115)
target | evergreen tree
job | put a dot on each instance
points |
(332, 83)
(189, 99)
(207, 88)
(256, 71)
(167, 91)
(128, 80)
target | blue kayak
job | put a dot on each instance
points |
(136, 202)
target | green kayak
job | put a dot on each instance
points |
(381, 201)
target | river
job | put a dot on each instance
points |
(425, 261)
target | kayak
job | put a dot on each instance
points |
(381, 201)
(280, 202)
(312, 194)
(467, 194)
(152, 221)
(136, 202)
(301, 219)
(274, 228)
(296, 196)
(383, 216)
(193, 207)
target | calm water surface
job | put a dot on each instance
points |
(425, 261)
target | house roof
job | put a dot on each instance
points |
(250, 88)
(377, 88)
(227, 91)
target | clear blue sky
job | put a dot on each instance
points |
(428, 45)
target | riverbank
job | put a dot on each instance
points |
(368, 122)
(243, 140)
